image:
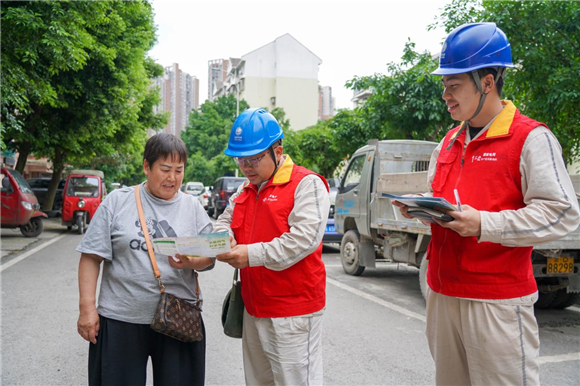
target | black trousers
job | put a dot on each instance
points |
(123, 349)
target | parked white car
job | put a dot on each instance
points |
(193, 188)
(204, 198)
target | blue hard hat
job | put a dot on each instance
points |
(254, 131)
(474, 46)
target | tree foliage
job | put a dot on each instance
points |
(545, 43)
(39, 40)
(99, 105)
(318, 149)
(406, 103)
(206, 137)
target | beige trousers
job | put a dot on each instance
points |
(283, 351)
(483, 343)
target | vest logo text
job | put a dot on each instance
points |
(484, 157)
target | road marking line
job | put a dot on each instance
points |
(29, 253)
(575, 356)
(379, 301)
(411, 314)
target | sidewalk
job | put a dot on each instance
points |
(12, 241)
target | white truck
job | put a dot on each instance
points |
(374, 230)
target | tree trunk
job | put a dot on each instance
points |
(57, 168)
(23, 152)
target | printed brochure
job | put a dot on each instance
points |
(208, 245)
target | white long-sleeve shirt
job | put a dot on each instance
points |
(551, 210)
(307, 222)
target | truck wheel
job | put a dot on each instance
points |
(423, 276)
(32, 228)
(545, 299)
(350, 253)
(564, 299)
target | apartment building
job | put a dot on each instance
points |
(282, 73)
(216, 76)
(359, 97)
(326, 103)
(179, 93)
(191, 93)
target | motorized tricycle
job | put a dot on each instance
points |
(20, 207)
(83, 192)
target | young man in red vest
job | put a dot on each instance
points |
(508, 171)
(277, 219)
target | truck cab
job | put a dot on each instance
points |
(375, 231)
(367, 219)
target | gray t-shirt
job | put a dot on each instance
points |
(129, 289)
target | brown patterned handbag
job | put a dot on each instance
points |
(178, 319)
(174, 317)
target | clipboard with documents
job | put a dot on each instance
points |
(425, 208)
(429, 214)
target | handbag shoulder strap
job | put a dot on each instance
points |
(150, 246)
(147, 239)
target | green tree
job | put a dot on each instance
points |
(291, 144)
(103, 107)
(545, 43)
(280, 115)
(125, 163)
(206, 137)
(40, 40)
(348, 131)
(199, 169)
(209, 128)
(318, 150)
(406, 104)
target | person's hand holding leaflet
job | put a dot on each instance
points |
(190, 262)
(237, 257)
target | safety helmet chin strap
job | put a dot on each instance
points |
(477, 80)
(273, 159)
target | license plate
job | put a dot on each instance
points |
(560, 265)
(330, 229)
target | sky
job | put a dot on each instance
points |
(353, 38)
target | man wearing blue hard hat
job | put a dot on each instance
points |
(507, 171)
(276, 221)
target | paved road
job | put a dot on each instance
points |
(13, 242)
(373, 327)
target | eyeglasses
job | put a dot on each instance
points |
(253, 162)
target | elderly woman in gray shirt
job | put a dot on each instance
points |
(121, 340)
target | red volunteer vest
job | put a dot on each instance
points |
(487, 178)
(261, 217)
